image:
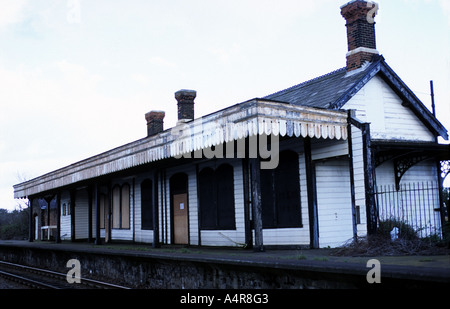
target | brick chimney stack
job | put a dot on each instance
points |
(185, 99)
(359, 15)
(155, 122)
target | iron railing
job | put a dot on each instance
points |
(414, 204)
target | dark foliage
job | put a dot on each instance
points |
(14, 224)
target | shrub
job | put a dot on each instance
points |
(405, 231)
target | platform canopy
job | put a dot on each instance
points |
(250, 118)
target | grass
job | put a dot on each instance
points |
(426, 260)
(322, 259)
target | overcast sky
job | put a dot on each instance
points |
(77, 77)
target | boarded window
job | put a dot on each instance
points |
(216, 198)
(225, 197)
(267, 198)
(125, 207)
(116, 207)
(147, 204)
(207, 199)
(178, 183)
(280, 193)
(121, 207)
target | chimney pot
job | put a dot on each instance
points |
(185, 99)
(155, 122)
(361, 41)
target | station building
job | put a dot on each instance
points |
(313, 165)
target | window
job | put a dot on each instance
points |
(65, 209)
(121, 207)
(147, 205)
(216, 198)
(280, 193)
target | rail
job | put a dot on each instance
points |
(26, 281)
(42, 278)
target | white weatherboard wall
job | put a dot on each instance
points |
(378, 104)
(421, 172)
(65, 219)
(358, 174)
(417, 199)
(334, 202)
(193, 205)
(81, 214)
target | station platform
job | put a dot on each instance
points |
(430, 268)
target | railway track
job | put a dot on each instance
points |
(37, 278)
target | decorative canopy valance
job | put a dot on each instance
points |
(250, 118)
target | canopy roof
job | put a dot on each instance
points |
(253, 117)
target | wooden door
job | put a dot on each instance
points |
(180, 219)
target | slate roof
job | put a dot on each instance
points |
(323, 91)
